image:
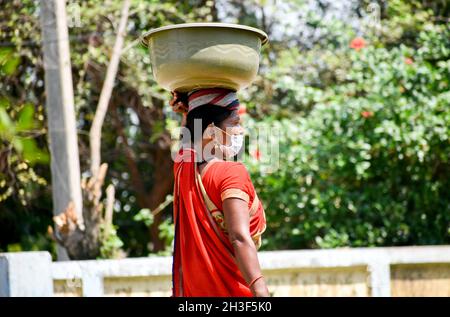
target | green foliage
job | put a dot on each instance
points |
(166, 228)
(8, 61)
(167, 233)
(19, 151)
(19, 133)
(32, 243)
(21, 121)
(364, 159)
(22, 84)
(111, 243)
(368, 164)
(144, 215)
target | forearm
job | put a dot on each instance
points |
(237, 219)
(248, 263)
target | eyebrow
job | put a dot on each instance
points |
(235, 118)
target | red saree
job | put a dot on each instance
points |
(203, 260)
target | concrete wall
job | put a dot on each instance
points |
(26, 274)
(397, 271)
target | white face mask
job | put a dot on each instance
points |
(237, 141)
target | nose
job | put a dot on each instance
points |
(238, 130)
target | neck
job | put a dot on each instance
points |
(205, 151)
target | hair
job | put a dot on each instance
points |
(208, 114)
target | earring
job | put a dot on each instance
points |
(209, 133)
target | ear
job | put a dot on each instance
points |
(209, 131)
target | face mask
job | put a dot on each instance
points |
(237, 141)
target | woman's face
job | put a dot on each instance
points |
(230, 126)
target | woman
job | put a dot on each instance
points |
(217, 214)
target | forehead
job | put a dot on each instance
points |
(234, 118)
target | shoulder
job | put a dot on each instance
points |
(233, 180)
(226, 169)
(230, 165)
(232, 175)
(230, 179)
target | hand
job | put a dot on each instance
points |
(179, 102)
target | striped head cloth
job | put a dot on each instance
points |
(214, 96)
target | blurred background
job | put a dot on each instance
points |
(359, 89)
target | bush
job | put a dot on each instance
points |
(368, 165)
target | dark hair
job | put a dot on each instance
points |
(208, 114)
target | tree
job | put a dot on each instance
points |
(366, 140)
(136, 141)
(328, 96)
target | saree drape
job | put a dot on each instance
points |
(203, 260)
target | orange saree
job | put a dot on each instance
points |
(203, 260)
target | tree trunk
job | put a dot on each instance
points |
(65, 166)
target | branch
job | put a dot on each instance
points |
(96, 129)
(110, 191)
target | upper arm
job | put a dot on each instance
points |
(235, 183)
(237, 219)
(235, 189)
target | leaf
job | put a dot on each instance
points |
(6, 125)
(5, 52)
(145, 216)
(8, 61)
(26, 121)
(32, 153)
(10, 66)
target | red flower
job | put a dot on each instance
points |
(256, 154)
(358, 43)
(367, 114)
(408, 61)
(242, 110)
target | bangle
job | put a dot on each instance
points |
(254, 280)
